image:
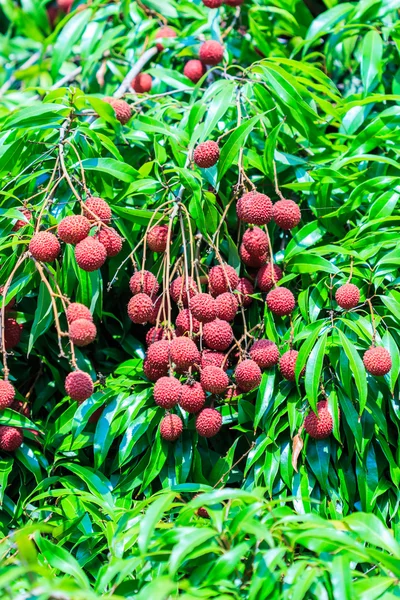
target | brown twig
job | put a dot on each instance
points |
(60, 333)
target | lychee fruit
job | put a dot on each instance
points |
(208, 422)
(21, 223)
(212, 3)
(194, 70)
(319, 426)
(213, 358)
(185, 322)
(193, 397)
(11, 438)
(182, 292)
(152, 372)
(254, 261)
(248, 375)
(286, 214)
(10, 305)
(171, 428)
(90, 254)
(255, 241)
(76, 310)
(265, 353)
(211, 52)
(65, 5)
(206, 155)
(184, 353)
(158, 354)
(73, 229)
(214, 380)
(167, 392)
(217, 335)
(144, 282)
(265, 280)
(157, 238)
(159, 314)
(245, 288)
(254, 208)
(227, 306)
(347, 295)
(123, 111)
(79, 385)
(163, 33)
(140, 309)
(155, 334)
(12, 333)
(377, 361)
(99, 207)
(287, 365)
(142, 83)
(221, 279)
(111, 241)
(44, 246)
(203, 307)
(7, 394)
(280, 301)
(82, 332)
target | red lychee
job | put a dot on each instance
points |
(194, 70)
(347, 295)
(167, 392)
(123, 111)
(319, 426)
(65, 5)
(73, 229)
(171, 428)
(182, 292)
(158, 354)
(214, 380)
(206, 154)
(142, 83)
(227, 306)
(79, 385)
(217, 335)
(44, 246)
(192, 398)
(211, 52)
(184, 353)
(90, 254)
(264, 280)
(248, 375)
(11, 438)
(287, 365)
(7, 394)
(152, 372)
(203, 307)
(245, 289)
(185, 322)
(253, 261)
(78, 311)
(12, 333)
(208, 422)
(99, 207)
(212, 3)
(213, 358)
(377, 361)
(155, 334)
(140, 309)
(255, 241)
(157, 238)
(221, 279)
(144, 282)
(265, 353)
(280, 301)
(163, 33)
(286, 214)
(82, 332)
(111, 241)
(254, 208)
(10, 305)
(21, 223)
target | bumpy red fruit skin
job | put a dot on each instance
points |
(90, 254)
(144, 282)
(211, 52)
(255, 241)
(158, 354)
(152, 372)
(254, 208)
(217, 335)
(180, 292)
(208, 422)
(265, 353)
(7, 394)
(264, 280)
(171, 428)
(192, 398)
(12, 333)
(280, 301)
(206, 154)
(194, 70)
(203, 307)
(221, 279)
(164, 32)
(111, 241)
(212, 3)
(73, 229)
(76, 310)
(184, 352)
(227, 306)
(142, 83)
(98, 207)
(214, 380)
(253, 261)
(21, 223)
(155, 334)
(82, 332)
(167, 392)
(321, 426)
(79, 385)
(44, 246)
(140, 309)
(248, 375)
(157, 238)
(287, 365)
(184, 320)
(11, 438)
(245, 289)
(286, 214)
(213, 358)
(377, 361)
(123, 111)
(347, 295)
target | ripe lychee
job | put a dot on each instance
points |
(123, 111)
(265, 353)
(192, 398)
(254, 261)
(82, 332)
(214, 380)
(347, 295)
(142, 83)
(78, 311)
(211, 52)
(287, 365)
(79, 385)
(267, 277)
(157, 238)
(280, 301)
(140, 308)
(221, 279)
(213, 358)
(44, 246)
(158, 354)
(185, 322)
(194, 70)
(181, 291)
(245, 289)
(217, 335)
(111, 241)
(21, 223)
(212, 3)
(248, 375)
(7, 394)
(227, 306)
(203, 307)
(90, 254)
(152, 372)
(155, 334)
(163, 33)
(11, 438)
(286, 214)
(99, 207)
(206, 154)
(159, 314)
(377, 361)
(254, 208)
(73, 229)
(184, 353)
(65, 5)
(144, 282)
(10, 305)
(171, 428)
(319, 426)
(167, 392)
(208, 422)
(12, 333)
(255, 241)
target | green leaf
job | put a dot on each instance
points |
(372, 49)
(357, 369)
(232, 145)
(314, 370)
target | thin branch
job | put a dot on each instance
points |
(134, 71)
